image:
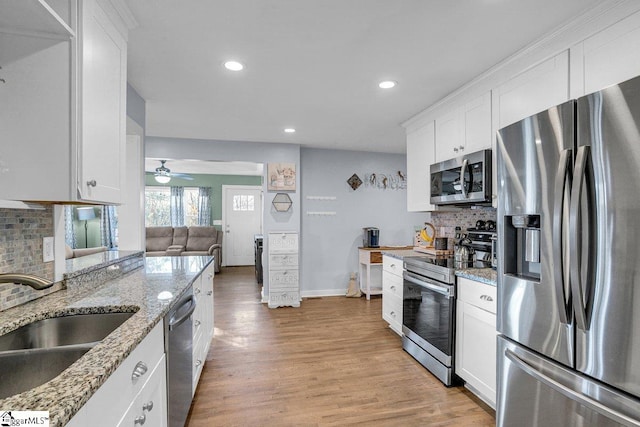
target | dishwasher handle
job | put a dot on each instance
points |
(173, 322)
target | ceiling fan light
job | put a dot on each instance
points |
(162, 179)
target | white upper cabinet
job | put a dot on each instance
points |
(102, 118)
(420, 156)
(606, 58)
(536, 89)
(449, 135)
(64, 101)
(465, 129)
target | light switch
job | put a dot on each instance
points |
(47, 249)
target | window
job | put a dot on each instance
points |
(158, 207)
(243, 203)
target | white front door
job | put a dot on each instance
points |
(241, 220)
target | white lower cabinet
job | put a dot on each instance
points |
(140, 379)
(150, 406)
(392, 292)
(202, 322)
(476, 338)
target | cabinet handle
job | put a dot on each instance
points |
(148, 406)
(209, 293)
(92, 183)
(461, 148)
(210, 276)
(198, 362)
(284, 272)
(393, 287)
(197, 291)
(392, 266)
(140, 369)
(393, 313)
(455, 149)
(140, 420)
(486, 298)
(197, 323)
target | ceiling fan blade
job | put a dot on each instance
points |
(182, 176)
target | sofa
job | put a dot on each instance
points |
(185, 241)
(76, 253)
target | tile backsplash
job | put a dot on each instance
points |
(21, 233)
(446, 222)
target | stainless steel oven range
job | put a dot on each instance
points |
(428, 316)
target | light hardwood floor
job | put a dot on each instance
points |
(331, 362)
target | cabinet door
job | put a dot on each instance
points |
(609, 57)
(150, 406)
(449, 135)
(102, 121)
(537, 89)
(477, 124)
(476, 350)
(420, 156)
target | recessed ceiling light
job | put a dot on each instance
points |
(233, 65)
(387, 84)
(289, 130)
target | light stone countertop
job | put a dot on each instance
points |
(136, 291)
(484, 275)
(401, 253)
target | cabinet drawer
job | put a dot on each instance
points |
(392, 265)
(392, 311)
(150, 405)
(281, 298)
(283, 242)
(478, 294)
(391, 284)
(279, 278)
(283, 260)
(121, 388)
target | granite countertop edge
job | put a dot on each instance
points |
(483, 275)
(136, 291)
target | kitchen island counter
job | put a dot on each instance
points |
(136, 291)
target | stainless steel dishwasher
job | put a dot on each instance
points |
(178, 342)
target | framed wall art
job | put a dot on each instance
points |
(281, 176)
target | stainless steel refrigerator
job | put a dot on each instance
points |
(569, 264)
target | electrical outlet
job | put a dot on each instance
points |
(47, 249)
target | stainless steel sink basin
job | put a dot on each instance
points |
(63, 331)
(22, 370)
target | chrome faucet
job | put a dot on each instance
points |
(37, 283)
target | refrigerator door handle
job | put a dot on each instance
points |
(463, 168)
(568, 392)
(563, 177)
(575, 230)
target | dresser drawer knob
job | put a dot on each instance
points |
(140, 420)
(486, 298)
(148, 406)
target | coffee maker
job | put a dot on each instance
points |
(371, 237)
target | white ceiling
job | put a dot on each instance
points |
(315, 65)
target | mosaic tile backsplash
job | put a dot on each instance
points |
(446, 222)
(21, 233)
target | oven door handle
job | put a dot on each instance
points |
(432, 287)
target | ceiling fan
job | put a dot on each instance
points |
(163, 174)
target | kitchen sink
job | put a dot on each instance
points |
(22, 370)
(63, 331)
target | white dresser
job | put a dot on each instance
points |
(284, 287)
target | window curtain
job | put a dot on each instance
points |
(69, 228)
(108, 227)
(204, 205)
(176, 206)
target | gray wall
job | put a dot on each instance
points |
(330, 242)
(136, 106)
(197, 149)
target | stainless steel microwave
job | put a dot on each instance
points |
(463, 180)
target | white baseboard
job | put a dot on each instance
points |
(323, 293)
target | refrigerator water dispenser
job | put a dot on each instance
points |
(522, 246)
